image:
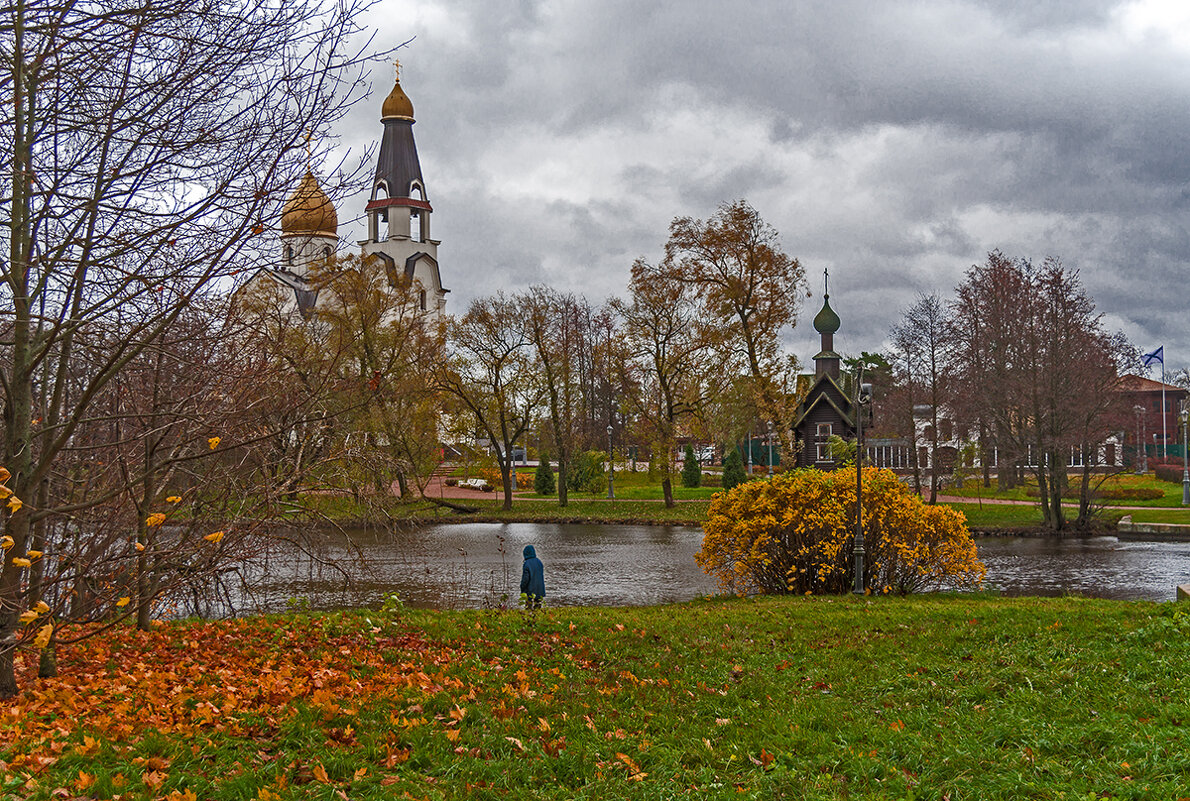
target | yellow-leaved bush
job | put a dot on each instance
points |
(796, 533)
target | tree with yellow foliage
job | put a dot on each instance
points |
(795, 534)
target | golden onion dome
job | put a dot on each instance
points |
(309, 210)
(397, 105)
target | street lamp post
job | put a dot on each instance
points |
(863, 396)
(611, 467)
(1185, 415)
(1140, 442)
(768, 444)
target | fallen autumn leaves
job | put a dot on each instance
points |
(817, 698)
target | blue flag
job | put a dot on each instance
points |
(1156, 356)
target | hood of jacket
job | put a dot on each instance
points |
(530, 553)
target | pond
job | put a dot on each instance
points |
(479, 565)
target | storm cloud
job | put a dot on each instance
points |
(894, 143)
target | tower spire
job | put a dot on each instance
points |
(827, 323)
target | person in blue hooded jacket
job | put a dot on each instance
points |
(533, 578)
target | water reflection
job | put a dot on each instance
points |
(478, 565)
(1098, 567)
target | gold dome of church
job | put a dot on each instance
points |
(397, 105)
(309, 211)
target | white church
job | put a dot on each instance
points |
(398, 215)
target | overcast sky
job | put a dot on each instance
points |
(894, 143)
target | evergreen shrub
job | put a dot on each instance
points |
(733, 470)
(543, 481)
(691, 469)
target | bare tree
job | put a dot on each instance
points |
(923, 336)
(667, 340)
(555, 327)
(143, 148)
(1034, 363)
(490, 370)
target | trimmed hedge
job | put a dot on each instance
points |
(1124, 494)
(1167, 472)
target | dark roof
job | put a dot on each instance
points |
(820, 393)
(397, 165)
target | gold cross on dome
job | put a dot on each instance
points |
(826, 277)
(397, 67)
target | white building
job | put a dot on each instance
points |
(398, 214)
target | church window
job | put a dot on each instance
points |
(326, 252)
(415, 226)
(947, 428)
(289, 255)
(422, 298)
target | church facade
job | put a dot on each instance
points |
(398, 226)
(827, 408)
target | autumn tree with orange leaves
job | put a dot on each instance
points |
(749, 290)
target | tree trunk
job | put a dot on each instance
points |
(562, 488)
(1057, 468)
(984, 452)
(667, 489)
(1084, 495)
(506, 478)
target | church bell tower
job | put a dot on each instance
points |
(399, 208)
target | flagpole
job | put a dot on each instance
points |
(1164, 438)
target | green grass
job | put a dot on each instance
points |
(960, 698)
(992, 515)
(1172, 493)
(1002, 515)
(1181, 516)
(617, 511)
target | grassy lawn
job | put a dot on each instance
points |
(1172, 493)
(638, 486)
(1181, 516)
(990, 515)
(1000, 515)
(627, 511)
(807, 698)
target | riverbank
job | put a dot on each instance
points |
(928, 697)
(995, 519)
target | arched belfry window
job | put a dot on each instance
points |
(326, 252)
(423, 300)
(415, 220)
(289, 255)
(380, 191)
